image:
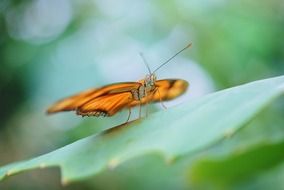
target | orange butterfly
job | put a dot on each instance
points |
(109, 99)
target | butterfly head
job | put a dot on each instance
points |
(150, 80)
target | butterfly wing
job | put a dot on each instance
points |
(78, 100)
(106, 105)
(165, 90)
(169, 89)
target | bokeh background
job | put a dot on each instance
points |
(51, 49)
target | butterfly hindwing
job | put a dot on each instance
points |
(106, 105)
(76, 101)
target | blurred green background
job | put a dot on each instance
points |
(51, 49)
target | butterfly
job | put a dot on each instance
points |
(112, 98)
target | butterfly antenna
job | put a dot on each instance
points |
(189, 45)
(145, 62)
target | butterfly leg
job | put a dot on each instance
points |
(146, 109)
(140, 109)
(129, 113)
(147, 103)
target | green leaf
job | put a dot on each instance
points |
(182, 130)
(241, 166)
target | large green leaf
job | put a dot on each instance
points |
(173, 132)
(224, 172)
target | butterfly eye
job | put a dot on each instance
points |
(147, 78)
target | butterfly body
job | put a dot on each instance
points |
(147, 86)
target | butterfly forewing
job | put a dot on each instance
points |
(169, 89)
